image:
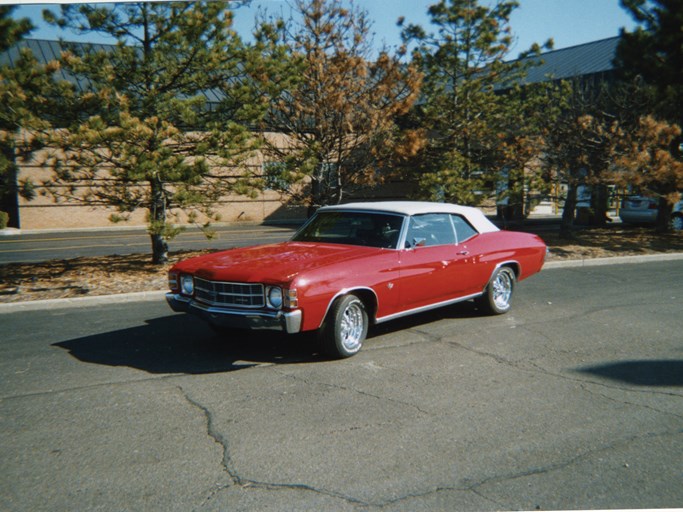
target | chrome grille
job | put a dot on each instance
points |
(238, 295)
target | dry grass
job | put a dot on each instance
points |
(98, 275)
(617, 240)
(122, 274)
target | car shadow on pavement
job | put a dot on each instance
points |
(665, 373)
(182, 344)
(458, 311)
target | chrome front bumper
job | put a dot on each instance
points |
(289, 322)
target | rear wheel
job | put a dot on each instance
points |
(498, 294)
(677, 222)
(345, 328)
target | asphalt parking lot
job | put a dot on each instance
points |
(574, 400)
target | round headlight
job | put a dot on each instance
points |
(187, 284)
(275, 297)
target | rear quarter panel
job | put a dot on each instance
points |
(525, 249)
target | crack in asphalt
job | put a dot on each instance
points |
(626, 402)
(628, 389)
(437, 490)
(49, 392)
(584, 383)
(245, 483)
(489, 355)
(213, 434)
(535, 368)
(577, 458)
(353, 390)
(475, 487)
(237, 480)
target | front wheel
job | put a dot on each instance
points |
(346, 327)
(498, 294)
(677, 222)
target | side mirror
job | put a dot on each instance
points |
(417, 242)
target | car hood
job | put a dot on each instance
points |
(273, 263)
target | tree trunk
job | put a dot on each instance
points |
(9, 200)
(599, 200)
(315, 197)
(663, 216)
(158, 223)
(568, 213)
(159, 249)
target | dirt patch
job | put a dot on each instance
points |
(78, 277)
(611, 241)
(107, 275)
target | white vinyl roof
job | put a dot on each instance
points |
(473, 215)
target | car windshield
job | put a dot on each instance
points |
(353, 228)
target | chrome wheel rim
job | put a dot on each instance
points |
(352, 326)
(502, 290)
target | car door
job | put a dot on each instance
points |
(471, 274)
(432, 266)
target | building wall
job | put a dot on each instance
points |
(43, 212)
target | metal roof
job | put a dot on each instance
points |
(576, 61)
(582, 60)
(45, 51)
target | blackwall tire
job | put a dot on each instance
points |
(346, 327)
(497, 298)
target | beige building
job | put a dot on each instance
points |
(270, 206)
(43, 212)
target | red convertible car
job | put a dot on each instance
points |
(358, 264)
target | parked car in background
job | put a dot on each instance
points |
(644, 210)
(358, 264)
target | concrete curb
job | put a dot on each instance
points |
(614, 260)
(122, 298)
(77, 302)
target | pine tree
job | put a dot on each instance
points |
(581, 146)
(527, 114)
(653, 55)
(340, 116)
(143, 134)
(647, 163)
(25, 90)
(463, 61)
(654, 52)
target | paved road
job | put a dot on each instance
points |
(35, 247)
(573, 400)
(30, 247)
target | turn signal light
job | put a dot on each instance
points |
(291, 300)
(173, 281)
